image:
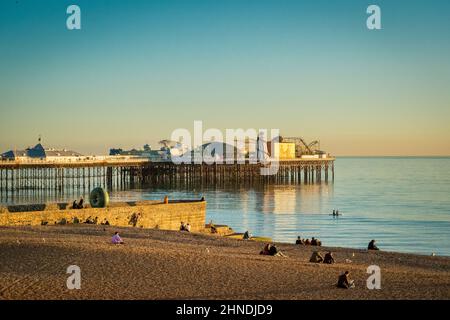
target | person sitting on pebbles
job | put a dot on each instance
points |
(316, 257)
(372, 246)
(300, 241)
(344, 281)
(116, 239)
(272, 250)
(246, 235)
(265, 250)
(329, 259)
(307, 242)
(315, 242)
(81, 203)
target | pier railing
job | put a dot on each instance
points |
(77, 162)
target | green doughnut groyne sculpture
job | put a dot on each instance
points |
(99, 198)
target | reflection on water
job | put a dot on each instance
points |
(404, 203)
(286, 199)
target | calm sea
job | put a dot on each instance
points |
(403, 203)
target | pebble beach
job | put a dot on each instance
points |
(157, 264)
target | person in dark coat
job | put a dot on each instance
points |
(372, 246)
(344, 281)
(329, 259)
(80, 203)
(273, 251)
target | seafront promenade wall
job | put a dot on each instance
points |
(140, 214)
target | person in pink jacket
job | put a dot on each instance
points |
(116, 239)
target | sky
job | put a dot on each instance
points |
(137, 70)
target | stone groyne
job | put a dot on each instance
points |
(140, 214)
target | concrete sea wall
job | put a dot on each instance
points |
(141, 214)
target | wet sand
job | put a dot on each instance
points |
(156, 264)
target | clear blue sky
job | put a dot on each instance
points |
(137, 70)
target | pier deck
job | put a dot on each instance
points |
(119, 173)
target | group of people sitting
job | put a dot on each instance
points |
(78, 205)
(344, 280)
(185, 227)
(307, 242)
(317, 258)
(271, 250)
